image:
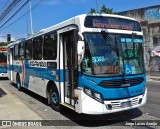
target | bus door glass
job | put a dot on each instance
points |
(69, 65)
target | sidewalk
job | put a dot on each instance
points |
(11, 108)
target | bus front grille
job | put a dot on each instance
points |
(121, 82)
(122, 104)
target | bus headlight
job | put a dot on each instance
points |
(88, 91)
(97, 96)
(93, 94)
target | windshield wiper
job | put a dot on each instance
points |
(111, 43)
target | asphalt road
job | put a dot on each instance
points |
(150, 111)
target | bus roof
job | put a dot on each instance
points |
(74, 20)
(16, 42)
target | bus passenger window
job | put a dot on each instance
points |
(50, 47)
(21, 51)
(28, 50)
(16, 52)
(37, 48)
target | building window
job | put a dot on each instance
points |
(16, 52)
(155, 41)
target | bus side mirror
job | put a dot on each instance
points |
(80, 51)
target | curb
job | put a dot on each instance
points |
(153, 78)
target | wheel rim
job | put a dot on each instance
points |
(55, 98)
(18, 85)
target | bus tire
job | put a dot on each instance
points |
(54, 99)
(18, 83)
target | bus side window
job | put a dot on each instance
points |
(50, 47)
(37, 48)
(8, 56)
(21, 51)
(16, 52)
(28, 50)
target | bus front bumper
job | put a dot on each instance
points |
(91, 106)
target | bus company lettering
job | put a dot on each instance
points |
(112, 26)
(106, 69)
(38, 64)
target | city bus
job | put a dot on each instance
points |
(92, 64)
(3, 61)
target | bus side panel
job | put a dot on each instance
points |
(36, 78)
(17, 69)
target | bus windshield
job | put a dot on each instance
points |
(3, 58)
(113, 54)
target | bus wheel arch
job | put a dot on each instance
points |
(53, 96)
(18, 82)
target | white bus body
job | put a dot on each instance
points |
(49, 64)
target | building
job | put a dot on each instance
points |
(150, 21)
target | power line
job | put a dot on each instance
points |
(5, 4)
(9, 9)
(36, 5)
(14, 13)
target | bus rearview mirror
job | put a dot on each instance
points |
(80, 51)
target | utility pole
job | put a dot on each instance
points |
(31, 17)
(96, 6)
(27, 29)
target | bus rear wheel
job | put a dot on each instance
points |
(18, 83)
(54, 99)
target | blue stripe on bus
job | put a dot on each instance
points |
(10, 67)
(44, 73)
(3, 69)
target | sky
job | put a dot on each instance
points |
(51, 12)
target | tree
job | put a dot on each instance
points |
(5, 44)
(106, 10)
(103, 9)
(92, 11)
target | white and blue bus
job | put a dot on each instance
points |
(3, 61)
(92, 64)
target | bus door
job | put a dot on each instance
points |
(10, 67)
(69, 66)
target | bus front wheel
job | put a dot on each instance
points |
(18, 83)
(54, 99)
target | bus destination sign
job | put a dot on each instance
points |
(111, 23)
(111, 26)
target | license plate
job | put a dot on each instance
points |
(126, 104)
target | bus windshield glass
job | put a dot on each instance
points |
(113, 54)
(3, 58)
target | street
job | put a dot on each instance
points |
(37, 104)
